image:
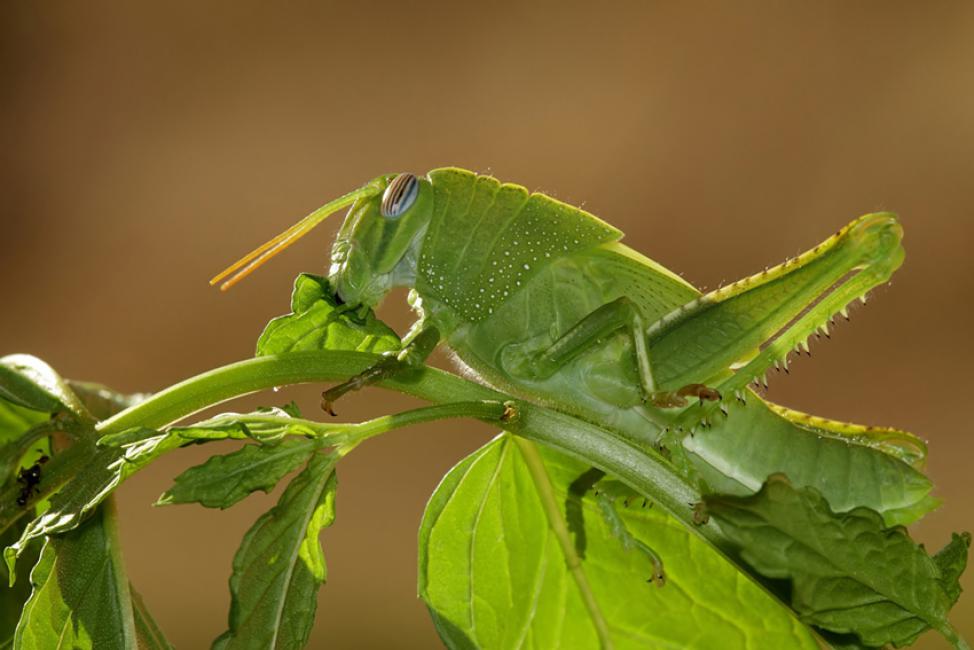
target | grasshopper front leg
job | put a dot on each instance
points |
(620, 314)
(418, 345)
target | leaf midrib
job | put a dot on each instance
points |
(292, 560)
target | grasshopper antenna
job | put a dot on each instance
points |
(260, 255)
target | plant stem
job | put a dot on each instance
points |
(262, 427)
(490, 410)
(227, 382)
(951, 635)
(645, 471)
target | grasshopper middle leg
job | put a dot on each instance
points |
(413, 354)
(620, 314)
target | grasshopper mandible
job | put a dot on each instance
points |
(542, 300)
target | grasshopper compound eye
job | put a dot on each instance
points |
(399, 196)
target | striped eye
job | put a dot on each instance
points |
(399, 196)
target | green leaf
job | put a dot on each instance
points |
(12, 599)
(22, 432)
(319, 322)
(15, 420)
(31, 383)
(845, 642)
(106, 469)
(850, 573)
(495, 572)
(952, 560)
(263, 424)
(280, 566)
(291, 408)
(81, 597)
(222, 481)
(149, 634)
(70, 505)
(133, 436)
(103, 402)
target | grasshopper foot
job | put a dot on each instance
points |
(659, 577)
(700, 514)
(326, 405)
(700, 391)
(385, 368)
(678, 399)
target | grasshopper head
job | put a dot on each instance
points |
(377, 246)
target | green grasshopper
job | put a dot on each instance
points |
(541, 300)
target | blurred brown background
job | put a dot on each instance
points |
(146, 146)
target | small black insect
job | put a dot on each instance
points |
(30, 477)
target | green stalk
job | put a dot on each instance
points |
(487, 410)
(342, 435)
(646, 472)
(242, 378)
